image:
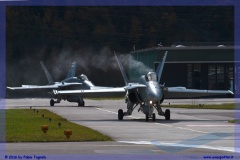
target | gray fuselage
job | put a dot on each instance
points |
(153, 92)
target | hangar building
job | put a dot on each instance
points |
(197, 67)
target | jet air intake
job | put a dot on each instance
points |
(132, 97)
(161, 101)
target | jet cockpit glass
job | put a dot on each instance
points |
(151, 76)
(83, 77)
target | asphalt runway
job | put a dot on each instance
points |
(190, 134)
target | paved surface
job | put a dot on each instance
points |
(191, 133)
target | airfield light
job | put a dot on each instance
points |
(44, 128)
(68, 133)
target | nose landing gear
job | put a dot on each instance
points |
(153, 117)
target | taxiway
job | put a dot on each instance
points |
(190, 132)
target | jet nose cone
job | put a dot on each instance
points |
(156, 95)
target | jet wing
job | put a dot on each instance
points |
(182, 92)
(36, 87)
(94, 93)
(131, 86)
(29, 87)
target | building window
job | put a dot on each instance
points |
(229, 79)
(189, 76)
(211, 76)
(197, 76)
(220, 76)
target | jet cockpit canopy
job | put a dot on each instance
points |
(151, 76)
(83, 77)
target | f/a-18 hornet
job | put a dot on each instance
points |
(70, 82)
(147, 93)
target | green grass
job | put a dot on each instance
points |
(234, 121)
(231, 121)
(229, 106)
(24, 125)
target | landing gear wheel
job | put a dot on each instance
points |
(51, 102)
(153, 117)
(147, 117)
(81, 103)
(120, 114)
(167, 114)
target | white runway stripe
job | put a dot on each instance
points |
(212, 125)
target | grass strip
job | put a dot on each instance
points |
(234, 121)
(24, 125)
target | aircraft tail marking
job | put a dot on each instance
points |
(49, 77)
(122, 70)
(71, 72)
(160, 66)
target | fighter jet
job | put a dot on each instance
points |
(147, 93)
(70, 82)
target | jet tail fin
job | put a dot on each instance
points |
(49, 77)
(160, 67)
(122, 70)
(71, 72)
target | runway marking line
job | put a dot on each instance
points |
(115, 112)
(105, 110)
(213, 125)
(191, 130)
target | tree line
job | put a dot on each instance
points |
(120, 28)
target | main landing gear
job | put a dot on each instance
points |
(120, 114)
(80, 103)
(167, 115)
(52, 102)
